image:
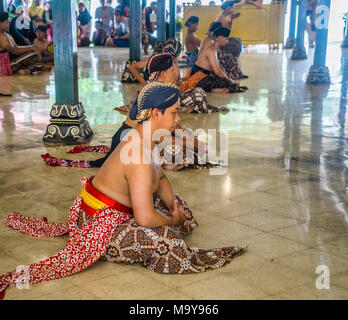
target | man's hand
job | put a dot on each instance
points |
(27, 41)
(235, 15)
(178, 214)
(37, 51)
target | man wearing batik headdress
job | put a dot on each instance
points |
(207, 72)
(192, 42)
(159, 68)
(129, 198)
(229, 54)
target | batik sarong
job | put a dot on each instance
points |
(212, 81)
(85, 246)
(192, 81)
(228, 58)
(102, 233)
(163, 249)
(197, 100)
(27, 60)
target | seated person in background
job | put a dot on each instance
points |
(36, 9)
(42, 43)
(21, 28)
(85, 20)
(120, 36)
(207, 73)
(38, 21)
(256, 3)
(192, 42)
(105, 14)
(99, 36)
(227, 16)
(21, 60)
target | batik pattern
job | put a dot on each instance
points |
(197, 99)
(85, 246)
(163, 249)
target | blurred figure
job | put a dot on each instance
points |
(120, 36)
(105, 14)
(42, 43)
(21, 28)
(85, 25)
(36, 9)
(192, 42)
(310, 26)
(99, 36)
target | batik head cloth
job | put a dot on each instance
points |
(160, 95)
(229, 4)
(173, 47)
(191, 20)
(156, 64)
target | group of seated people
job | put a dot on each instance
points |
(112, 26)
(214, 60)
(24, 48)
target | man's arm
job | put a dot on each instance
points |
(165, 191)
(215, 65)
(15, 50)
(139, 178)
(134, 69)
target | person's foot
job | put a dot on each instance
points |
(220, 90)
(24, 72)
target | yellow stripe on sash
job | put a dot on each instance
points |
(91, 201)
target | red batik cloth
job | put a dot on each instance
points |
(55, 162)
(85, 245)
(99, 149)
(5, 67)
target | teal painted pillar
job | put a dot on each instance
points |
(68, 121)
(135, 30)
(172, 22)
(299, 52)
(161, 21)
(3, 5)
(319, 72)
(345, 33)
(290, 42)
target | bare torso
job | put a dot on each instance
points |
(191, 42)
(205, 56)
(226, 23)
(111, 178)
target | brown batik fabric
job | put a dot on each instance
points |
(163, 249)
(197, 99)
(183, 157)
(228, 58)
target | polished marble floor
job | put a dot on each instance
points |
(285, 191)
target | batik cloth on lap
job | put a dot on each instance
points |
(192, 81)
(197, 98)
(163, 249)
(228, 58)
(85, 246)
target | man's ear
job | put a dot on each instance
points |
(155, 114)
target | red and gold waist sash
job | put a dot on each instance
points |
(93, 200)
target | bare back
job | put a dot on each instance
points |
(206, 57)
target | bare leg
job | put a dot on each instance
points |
(220, 90)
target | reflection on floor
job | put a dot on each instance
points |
(284, 193)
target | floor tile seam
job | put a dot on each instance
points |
(331, 253)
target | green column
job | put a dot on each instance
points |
(161, 20)
(135, 30)
(299, 51)
(68, 121)
(172, 22)
(3, 5)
